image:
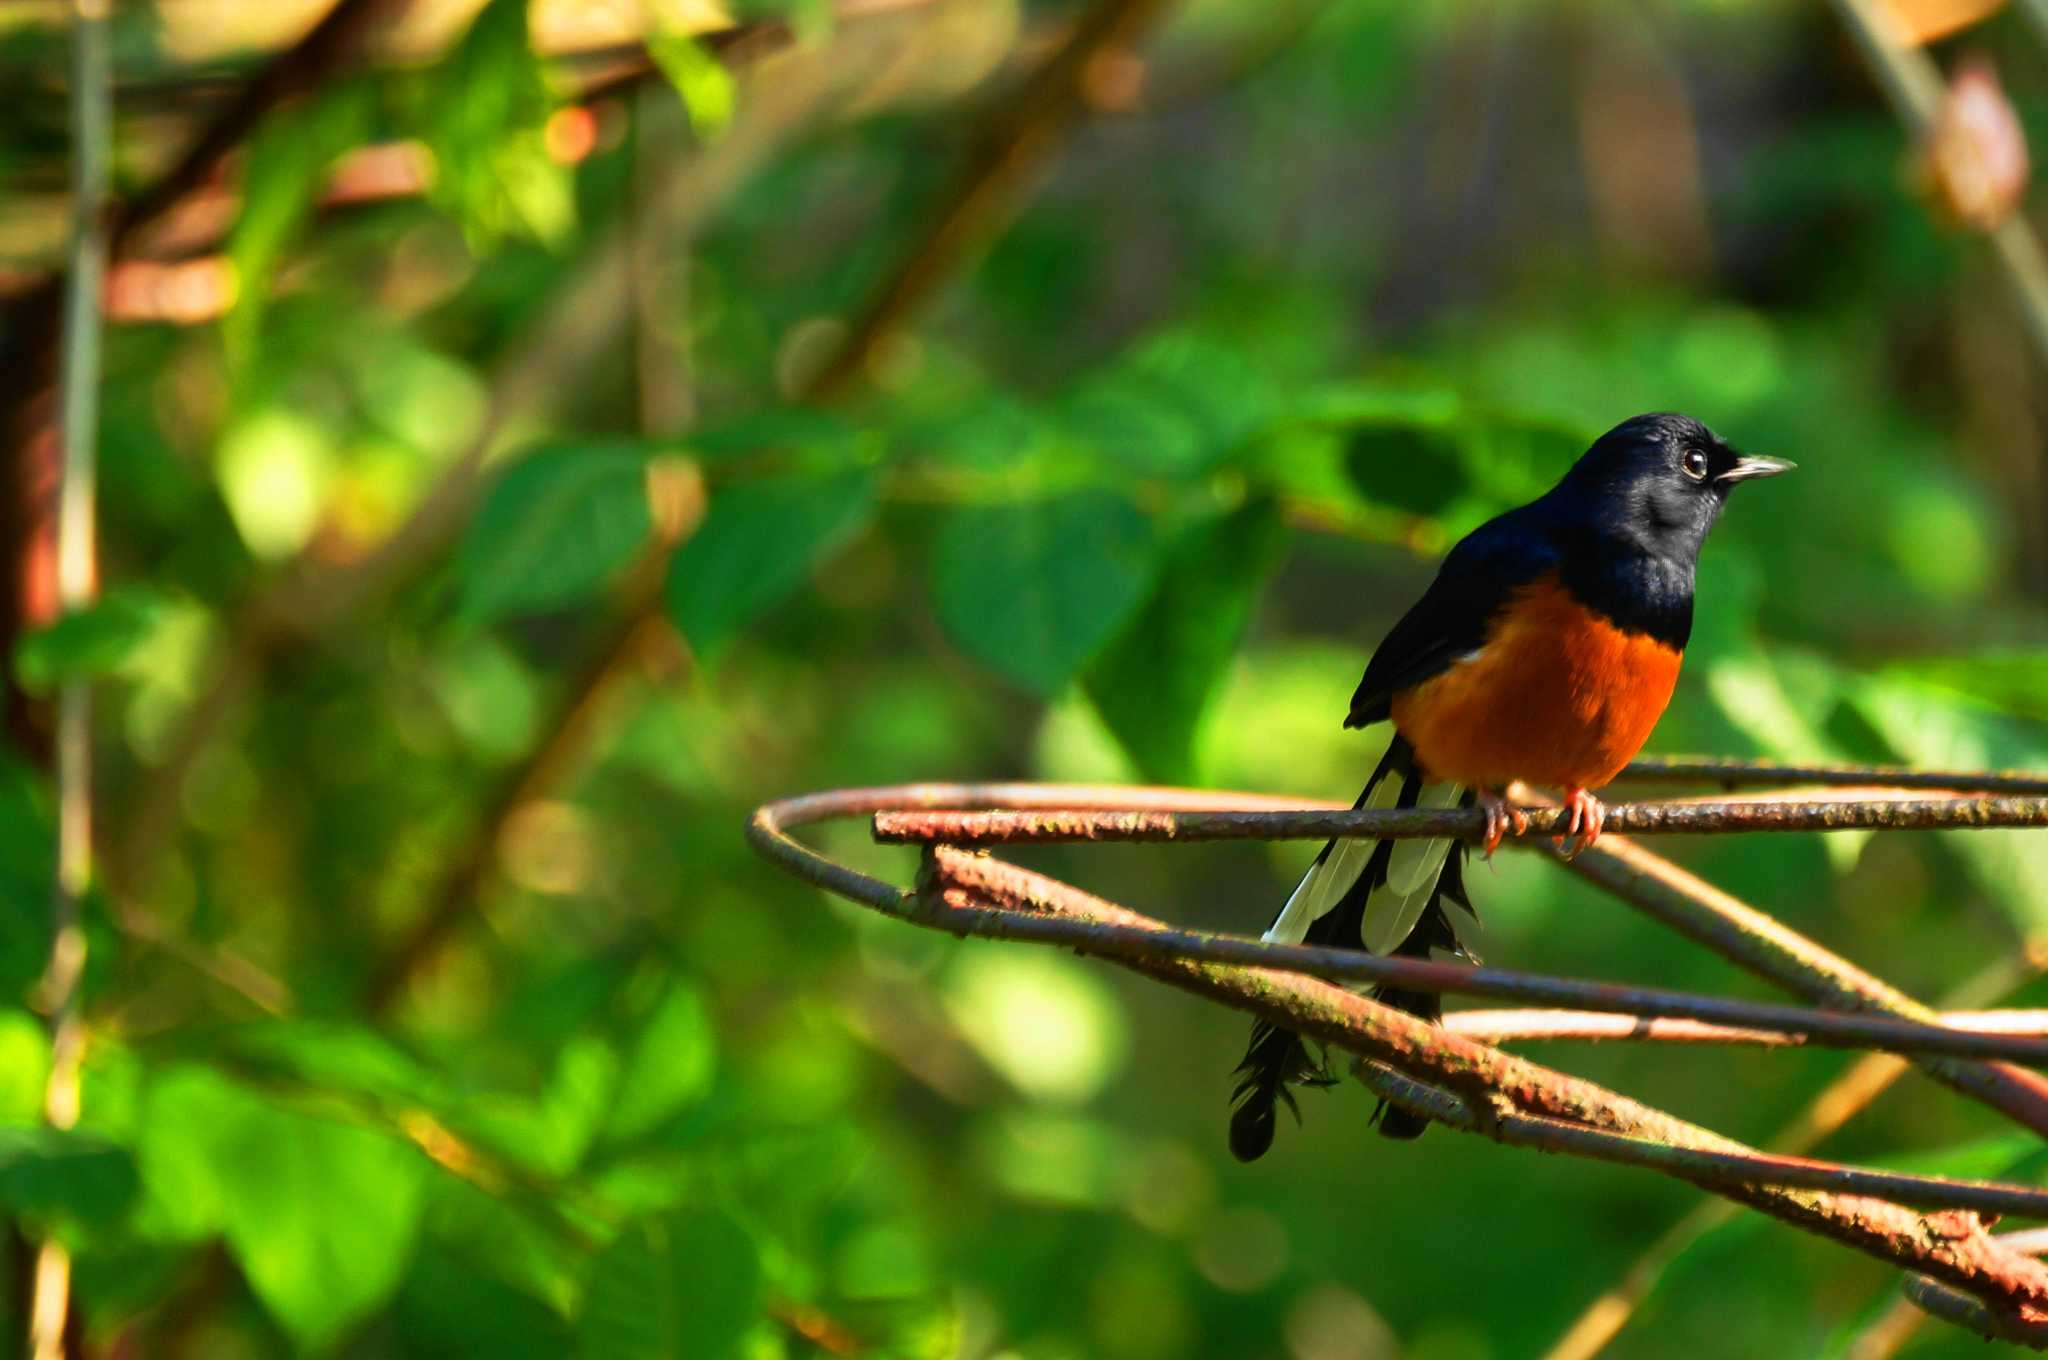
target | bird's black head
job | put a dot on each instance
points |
(1658, 482)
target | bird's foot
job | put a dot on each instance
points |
(1500, 815)
(1588, 815)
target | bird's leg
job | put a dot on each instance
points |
(1589, 814)
(1500, 814)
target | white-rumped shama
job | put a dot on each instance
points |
(1545, 651)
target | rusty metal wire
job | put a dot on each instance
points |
(1956, 1270)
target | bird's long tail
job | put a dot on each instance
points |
(1385, 896)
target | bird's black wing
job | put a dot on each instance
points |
(1451, 619)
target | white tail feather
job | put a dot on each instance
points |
(1413, 868)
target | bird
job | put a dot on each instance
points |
(1545, 651)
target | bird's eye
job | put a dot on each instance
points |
(1695, 465)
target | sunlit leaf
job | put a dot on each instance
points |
(2015, 681)
(683, 1287)
(1036, 590)
(556, 525)
(1154, 683)
(320, 1215)
(700, 78)
(669, 1066)
(490, 104)
(24, 1063)
(757, 544)
(1932, 728)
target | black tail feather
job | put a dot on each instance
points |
(1277, 1059)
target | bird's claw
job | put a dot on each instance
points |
(1500, 814)
(1588, 816)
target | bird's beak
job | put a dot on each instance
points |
(1746, 468)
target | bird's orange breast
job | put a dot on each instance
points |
(1557, 696)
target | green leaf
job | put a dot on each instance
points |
(755, 547)
(1036, 590)
(670, 1067)
(687, 1285)
(91, 642)
(24, 1066)
(491, 103)
(1174, 407)
(556, 525)
(701, 79)
(2014, 681)
(64, 1171)
(552, 1132)
(320, 1215)
(1407, 467)
(1155, 682)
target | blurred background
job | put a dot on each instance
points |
(534, 435)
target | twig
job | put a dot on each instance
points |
(1792, 1024)
(966, 889)
(1710, 1168)
(78, 428)
(1842, 1099)
(1967, 1311)
(1505, 1026)
(1734, 774)
(1760, 943)
(1677, 818)
(972, 894)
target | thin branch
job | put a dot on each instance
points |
(1671, 818)
(1848, 1095)
(1968, 1311)
(1765, 946)
(1791, 1024)
(1707, 1167)
(78, 428)
(969, 894)
(1734, 774)
(964, 891)
(1510, 1026)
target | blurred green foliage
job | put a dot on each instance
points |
(1133, 501)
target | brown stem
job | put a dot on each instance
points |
(1673, 818)
(1950, 1246)
(1510, 1026)
(1760, 943)
(1840, 1101)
